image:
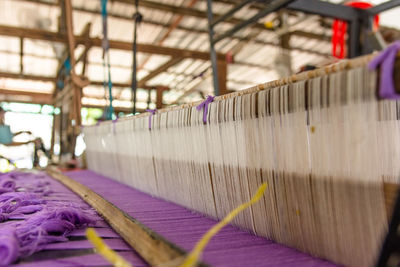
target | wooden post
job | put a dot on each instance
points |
(21, 54)
(159, 96)
(222, 67)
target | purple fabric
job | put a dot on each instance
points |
(152, 112)
(386, 60)
(204, 105)
(103, 232)
(115, 244)
(230, 247)
(87, 260)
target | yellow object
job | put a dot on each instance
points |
(104, 250)
(194, 255)
(269, 24)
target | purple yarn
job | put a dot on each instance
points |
(46, 219)
(152, 112)
(11, 202)
(386, 60)
(48, 226)
(8, 246)
(7, 184)
(204, 105)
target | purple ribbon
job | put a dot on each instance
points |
(152, 112)
(386, 60)
(204, 105)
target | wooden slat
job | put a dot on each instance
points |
(26, 77)
(152, 247)
(114, 44)
(27, 97)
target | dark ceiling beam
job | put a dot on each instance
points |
(120, 45)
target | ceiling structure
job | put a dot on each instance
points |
(173, 48)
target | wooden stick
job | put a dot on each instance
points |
(152, 247)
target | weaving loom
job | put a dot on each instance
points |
(325, 144)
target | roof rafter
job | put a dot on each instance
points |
(11, 75)
(184, 11)
(120, 45)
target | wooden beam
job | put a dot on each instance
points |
(26, 97)
(84, 56)
(45, 99)
(160, 69)
(53, 79)
(120, 45)
(222, 67)
(159, 96)
(152, 247)
(11, 75)
(320, 37)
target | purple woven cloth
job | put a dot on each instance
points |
(230, 247)
(385, 60)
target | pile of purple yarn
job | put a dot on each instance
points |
(35, 211)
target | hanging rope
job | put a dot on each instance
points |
(137, 18)
(106, 60)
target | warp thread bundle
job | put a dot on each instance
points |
(35, 212)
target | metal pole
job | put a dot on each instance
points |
(383, 7)
(137, 19)
(324, 9)
(213, 54)
(275, 5)
(353, 44)
(134, 79)
(231, 12)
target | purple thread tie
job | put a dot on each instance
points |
(204, 105)
(386, 60)
(152, 112)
